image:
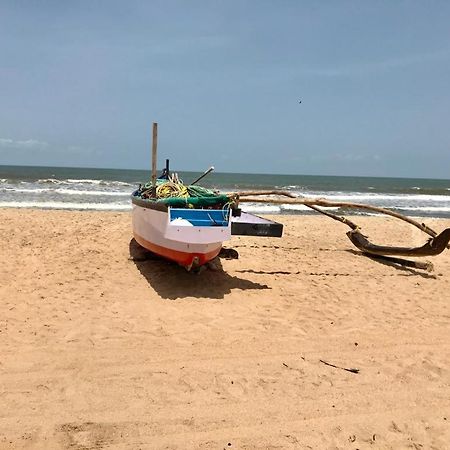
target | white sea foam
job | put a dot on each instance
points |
(67, 205)
(302, 207)
(27, 191)
(48, 181)
(97, 193)
(259, 208)
(425, 208)
(67, 192)
(97, 182)
(295, 207)
(71, 181)
(83, 181)
(376, 197)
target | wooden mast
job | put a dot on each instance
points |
(154, 155)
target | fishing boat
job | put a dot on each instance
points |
(189, 228)
(187, 235)
(188, 224)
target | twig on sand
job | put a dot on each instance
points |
(337, 367)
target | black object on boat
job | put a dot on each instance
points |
(250, 225)
(165, 173)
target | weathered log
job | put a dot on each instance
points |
(433, 247)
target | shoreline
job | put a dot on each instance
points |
(307, 213)
(98, 350)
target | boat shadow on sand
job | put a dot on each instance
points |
(172, 281)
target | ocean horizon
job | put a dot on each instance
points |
(148, 172)
(77, 188)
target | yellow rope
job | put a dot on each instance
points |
(170, 189)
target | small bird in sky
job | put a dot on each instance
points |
(299, 101)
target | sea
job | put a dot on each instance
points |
(110, 189)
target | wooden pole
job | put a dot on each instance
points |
(328, 203)
(203, 175)
(154, 155)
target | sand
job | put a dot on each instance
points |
(99, 351)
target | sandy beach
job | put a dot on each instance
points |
(100, 351)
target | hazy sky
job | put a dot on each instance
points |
(82, 81)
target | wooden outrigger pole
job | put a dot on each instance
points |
(434, 246)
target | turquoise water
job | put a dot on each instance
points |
(109, 189)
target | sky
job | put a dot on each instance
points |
(81, 83)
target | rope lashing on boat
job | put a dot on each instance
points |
(166, 189)
(171, 189)
(177, 195)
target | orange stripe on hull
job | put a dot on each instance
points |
(183, 258)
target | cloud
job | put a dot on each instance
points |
(31, 144)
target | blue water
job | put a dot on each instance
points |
(109, 189)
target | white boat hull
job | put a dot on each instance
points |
(177, 239)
